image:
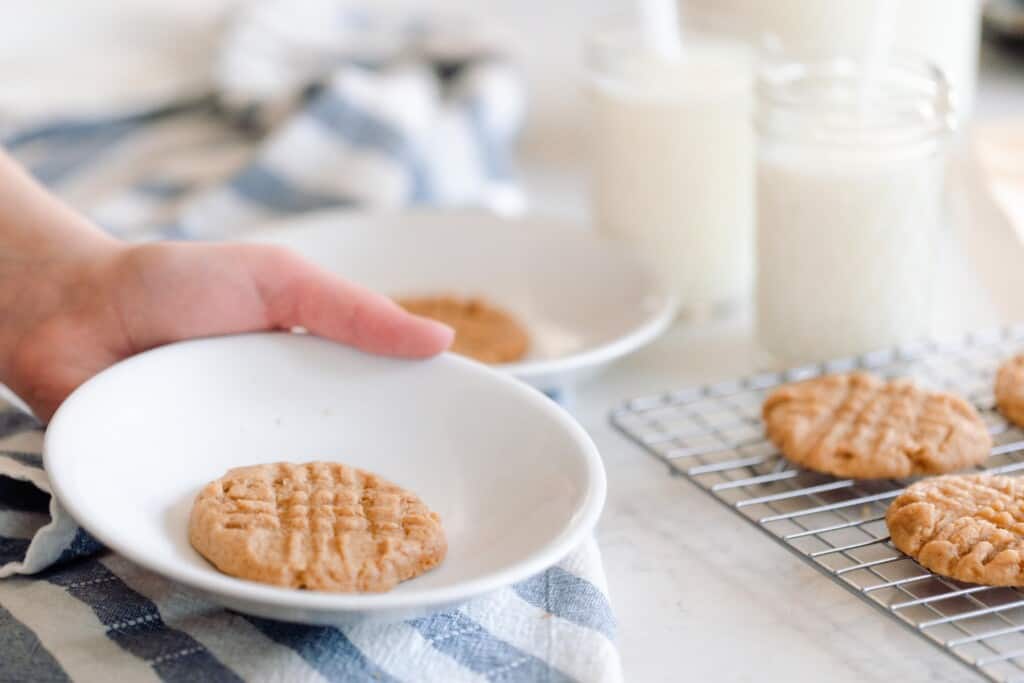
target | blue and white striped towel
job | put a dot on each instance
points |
(364, 112)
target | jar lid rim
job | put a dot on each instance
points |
(911, 103)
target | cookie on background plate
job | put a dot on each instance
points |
(861, 426)
(1010, 389)
(483, 331)
(967, 527)
(320, 525)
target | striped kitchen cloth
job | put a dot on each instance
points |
(86, 614)
(316, 104)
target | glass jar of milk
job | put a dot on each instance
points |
(673, 160)
(850, 204)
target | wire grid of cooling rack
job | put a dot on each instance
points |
(713, 435)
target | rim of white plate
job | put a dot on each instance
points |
(650, 329)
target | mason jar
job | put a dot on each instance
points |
(850, 203)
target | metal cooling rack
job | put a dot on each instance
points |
(713, 435)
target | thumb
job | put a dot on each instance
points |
(300, 294)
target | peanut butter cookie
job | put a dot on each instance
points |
(482, 331)
(1010, 390)
(967, 527)
(320, 525)
(860, 426)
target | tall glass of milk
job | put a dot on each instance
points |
(673, 160)
(850, 204)
(946, 32)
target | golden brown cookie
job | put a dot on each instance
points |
(861, 426)
(482, 331)
(319, 525)
(967, 527)
(1010, 390)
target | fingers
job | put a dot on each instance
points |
(339, 310)
(299, 294)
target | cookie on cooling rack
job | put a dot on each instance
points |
(483, 331)
(861, 426)
(1010, 389)
(320, 525)
(967, 527)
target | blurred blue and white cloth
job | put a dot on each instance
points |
(318, 104)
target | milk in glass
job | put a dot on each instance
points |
(850, 206)
(673, 161)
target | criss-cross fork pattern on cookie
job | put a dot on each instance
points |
(320, 525)
(967, 527)
(860, 426)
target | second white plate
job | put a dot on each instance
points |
(584, 301)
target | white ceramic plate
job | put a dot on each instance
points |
(517, 482)
(584, 301)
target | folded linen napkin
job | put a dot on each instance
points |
(306, 116)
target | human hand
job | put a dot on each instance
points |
(65, 317)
